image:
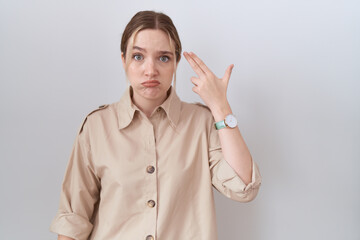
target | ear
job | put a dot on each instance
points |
(177, 63)
(123, 59)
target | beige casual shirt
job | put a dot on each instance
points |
(136, 178)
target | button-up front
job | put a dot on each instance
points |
(151, 203)
(133, 177)
(150, 169)
(149, 237)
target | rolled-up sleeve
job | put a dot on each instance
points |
(79, 193)
(225, 179)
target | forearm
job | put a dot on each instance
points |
(233, 146)
(61, 237)
(212, 91)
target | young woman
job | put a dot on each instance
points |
(144, 167)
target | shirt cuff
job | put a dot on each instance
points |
(232, 186)
(71, 225)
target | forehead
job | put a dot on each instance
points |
(152, 39)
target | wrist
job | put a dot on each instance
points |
(219, 112)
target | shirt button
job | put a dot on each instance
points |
(158, 110)
(151, 203)
(150, 169)
(149, 237)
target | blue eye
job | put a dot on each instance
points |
(164, 58)
(138, 57)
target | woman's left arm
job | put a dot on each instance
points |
(212, 91)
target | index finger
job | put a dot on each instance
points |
(194, 65)
(200, 63)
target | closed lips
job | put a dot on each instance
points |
(151, 83)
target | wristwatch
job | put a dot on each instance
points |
(229, 121)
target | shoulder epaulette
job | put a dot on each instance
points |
(202, 105)
(98, 109)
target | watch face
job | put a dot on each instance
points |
(231, 121)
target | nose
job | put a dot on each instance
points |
(150, 68)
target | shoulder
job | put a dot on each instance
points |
(196, 107)
(101, 110)
(196, 111)
(202, 106)
(101, 107)
(197, 117)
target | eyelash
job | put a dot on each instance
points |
(168, 58)
(136, 55)
(142, 57)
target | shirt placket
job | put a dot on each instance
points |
(151, 195)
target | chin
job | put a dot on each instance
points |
(153, 93)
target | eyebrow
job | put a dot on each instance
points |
(143, 50)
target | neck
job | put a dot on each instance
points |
(147, 106)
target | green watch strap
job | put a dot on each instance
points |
(220, 125)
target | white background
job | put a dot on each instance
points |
(295, 90)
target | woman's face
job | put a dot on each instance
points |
(151, 66)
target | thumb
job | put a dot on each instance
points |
(228, 73)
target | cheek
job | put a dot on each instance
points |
(132, 70)
(169, 70)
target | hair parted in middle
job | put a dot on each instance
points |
(151, 20)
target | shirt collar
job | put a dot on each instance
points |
(126, 108)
